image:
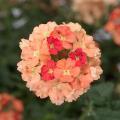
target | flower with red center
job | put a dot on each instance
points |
(79, 56)
(47, 70)
(54, 45)
(65, 34)
(54, 65)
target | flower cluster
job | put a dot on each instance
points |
(90, 11)
(10, 108)
(113, 25)
(59, 61)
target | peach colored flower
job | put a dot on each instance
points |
(65, 34)
(95, 72)
(66, 70)
(56, 96)
(59, 93)
(29, 72)
(61, 68)
(44, 30)
(34, 50)
(75, 27)
(39, 87)
(84, 80)
(88, 11)
(91, 11)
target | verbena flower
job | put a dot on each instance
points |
(10, 107)
(91, 11)
(59, 61)
(54, 45)
(47, 70)
(113, 25)
(79, 56)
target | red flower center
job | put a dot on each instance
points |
(79, 56)
(54, 45)
(47, 70)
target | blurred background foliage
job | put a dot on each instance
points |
(17, 19)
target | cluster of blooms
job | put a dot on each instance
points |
(113, 25)
(59, 61)
(10, 108)
(90, 11)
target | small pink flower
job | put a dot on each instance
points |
(79, 56)
(65, 34)
(66, 70)
(54, 45)
(47, 70)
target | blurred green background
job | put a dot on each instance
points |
(17, 19)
